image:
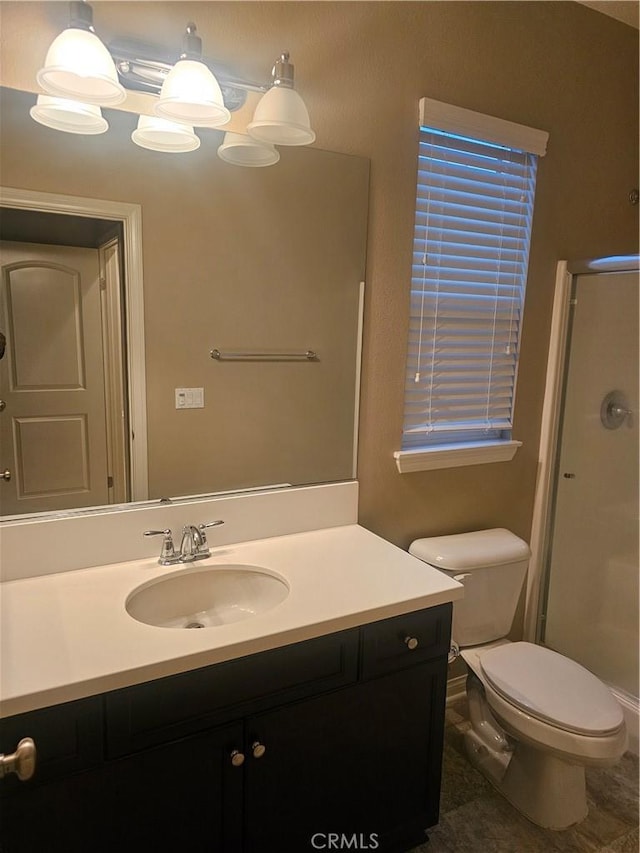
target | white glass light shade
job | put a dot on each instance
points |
(191, 94)
(281, 118)
(158, 134)
(79, 66)
(242, 150)
(68, 116)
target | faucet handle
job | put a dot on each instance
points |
(168, 555)
(203, 527)
(199, 539)
(211, 524)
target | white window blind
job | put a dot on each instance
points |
(474, 209)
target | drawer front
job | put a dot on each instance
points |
(169, 708)
(405, 640)
(68, 738)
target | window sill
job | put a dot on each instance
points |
(455, 455)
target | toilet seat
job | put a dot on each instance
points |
(569, 746)
(511, 678)
(527, 676)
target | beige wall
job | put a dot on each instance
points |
(362, 67)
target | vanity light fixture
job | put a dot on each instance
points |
(69, 116)
(158, 134)
(191, 93)
(78, 65)
(241, 150)
(281, 116)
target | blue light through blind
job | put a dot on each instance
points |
(470, 255)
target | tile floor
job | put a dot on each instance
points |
(474, 818)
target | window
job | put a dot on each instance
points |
(476, 184)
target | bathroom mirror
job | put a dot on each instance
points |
(263, 261)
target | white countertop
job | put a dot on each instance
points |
(66, 636)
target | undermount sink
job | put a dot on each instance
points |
(205, 597)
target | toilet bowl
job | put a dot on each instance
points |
(537, 717)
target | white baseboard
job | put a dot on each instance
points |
(631, 708)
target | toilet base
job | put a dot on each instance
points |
(547, 790)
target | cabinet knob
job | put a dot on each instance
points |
(411, 643)
(237, 757)
(22, 762)
(258, 749)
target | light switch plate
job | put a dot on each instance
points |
(189, 398)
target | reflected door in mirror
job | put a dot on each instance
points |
(53, 426)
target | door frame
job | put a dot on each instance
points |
(130, 215)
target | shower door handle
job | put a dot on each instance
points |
(615, 410)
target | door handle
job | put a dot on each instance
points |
(6, 475)
(22, 762)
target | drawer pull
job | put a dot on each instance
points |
(411, 643)
(22, 762)
(258, 749)
(237, 758)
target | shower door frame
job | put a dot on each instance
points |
(549, 449)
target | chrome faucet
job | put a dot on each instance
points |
(193, 546)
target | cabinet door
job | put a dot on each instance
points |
(363, 761)
(185, 795)
(58, 808)
(60, 816)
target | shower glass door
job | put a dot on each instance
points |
(591, 612)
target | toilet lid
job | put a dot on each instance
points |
(552, 688)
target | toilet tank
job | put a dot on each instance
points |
(491, 564)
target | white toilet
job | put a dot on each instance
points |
(537, 717)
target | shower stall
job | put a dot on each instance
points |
(588, 543)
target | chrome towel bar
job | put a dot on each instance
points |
(238, 355)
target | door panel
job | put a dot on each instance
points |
(37, 470)
(53, 428)
(44, 326)
(592, 598)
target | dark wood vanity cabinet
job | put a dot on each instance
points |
(269, 753)
(363, 761)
